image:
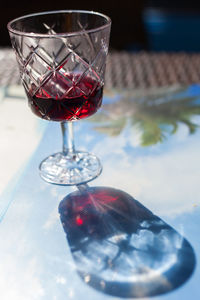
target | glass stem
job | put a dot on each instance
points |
(68, 138)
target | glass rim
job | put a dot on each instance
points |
(66, 34)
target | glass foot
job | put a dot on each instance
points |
(71, 169)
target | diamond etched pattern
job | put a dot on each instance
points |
(37, 69)
(39, 62)
(59, 68)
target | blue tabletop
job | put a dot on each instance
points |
(130, 233)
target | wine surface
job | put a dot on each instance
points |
(63, 100)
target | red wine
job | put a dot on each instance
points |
(59, 99)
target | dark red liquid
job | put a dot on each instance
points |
(61, 99)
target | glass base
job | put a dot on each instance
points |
(70, 169)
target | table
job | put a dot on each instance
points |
(138, 236)
(128, 70)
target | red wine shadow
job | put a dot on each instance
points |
(120, 247)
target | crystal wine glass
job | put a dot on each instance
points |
(61, 57)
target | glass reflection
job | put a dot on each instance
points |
(120, 247)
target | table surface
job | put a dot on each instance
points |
(130, 233)
(128, 70)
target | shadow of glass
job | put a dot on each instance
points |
(120, 247)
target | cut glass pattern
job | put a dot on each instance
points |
(46, 63)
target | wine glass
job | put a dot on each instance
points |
(62, 57)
